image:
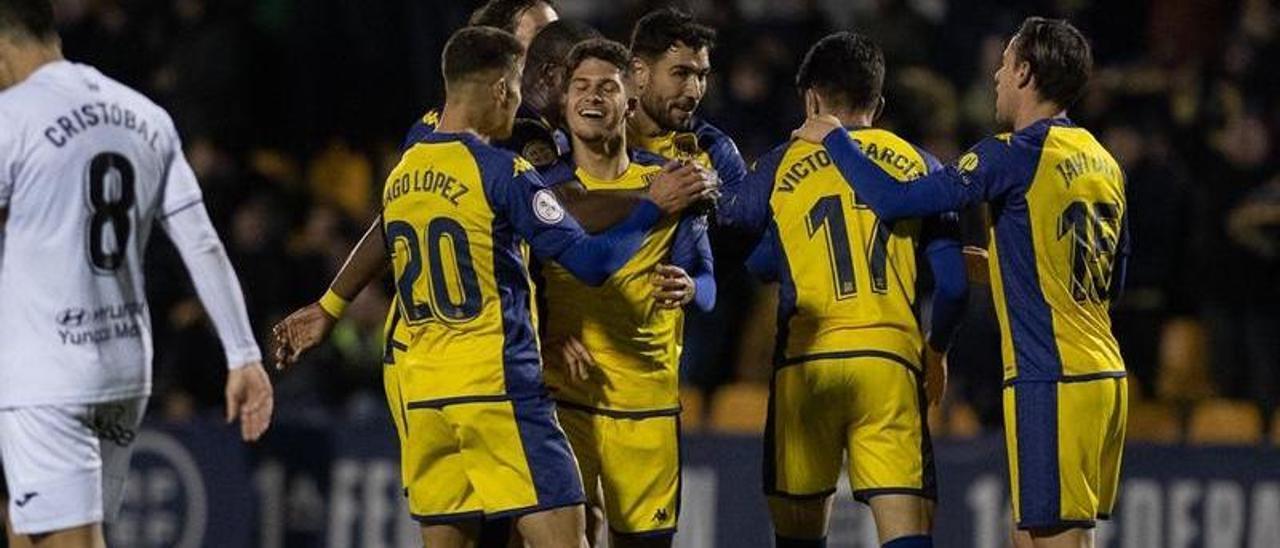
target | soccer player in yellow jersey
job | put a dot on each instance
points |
(1058, 248)
(612, 352)
(671, 62)
(849, 372)
(479, 437)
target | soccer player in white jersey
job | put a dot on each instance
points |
(87, 166)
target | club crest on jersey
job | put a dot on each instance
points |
(547, 208)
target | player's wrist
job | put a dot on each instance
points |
(240, 359)
(333, 304)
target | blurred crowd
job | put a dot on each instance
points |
(292, 111)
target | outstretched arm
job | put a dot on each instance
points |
(310, 325)
(939, 192)
(541, 220)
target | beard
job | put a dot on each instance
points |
(663, 113)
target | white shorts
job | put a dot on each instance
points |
(65, 465)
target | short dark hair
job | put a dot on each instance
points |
(502, 14)
(660, 29)
(599, 48)
(32, 18)
(845, 67)
(473, 50)
(1059, 56)
(553, 43)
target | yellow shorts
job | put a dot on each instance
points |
(1064, 441)
(482, 457)
(632, 461)
(873, 407)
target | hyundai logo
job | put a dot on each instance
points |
(72, 317)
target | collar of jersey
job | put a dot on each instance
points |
(49, 68)
(596, 183)
(1062, 121)
(443, 136)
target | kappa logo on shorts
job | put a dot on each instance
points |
(26, 497)
(661, 515)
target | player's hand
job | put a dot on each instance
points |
(975, 265)
(249, 400)
(816, 128)
(935, 375)
(575, 356)
(672, 286)
(678, 185)
(301, 331)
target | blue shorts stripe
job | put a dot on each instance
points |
(546, 449)
(1039, 487)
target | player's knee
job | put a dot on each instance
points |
(800, 518)
(463, 534)
(663, 540)
(554, 528)
(900, 515)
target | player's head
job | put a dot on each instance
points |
(24, 24)
(671, 58)
(544, 67)
(596, 103)
(1047, 61)
(842, 74)
(481, 68)
(523, 18)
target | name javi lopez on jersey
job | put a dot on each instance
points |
(78, 325)
(425, 180)
(90, 115)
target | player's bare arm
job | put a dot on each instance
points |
(308, 326)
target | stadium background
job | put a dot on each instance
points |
(292, 111)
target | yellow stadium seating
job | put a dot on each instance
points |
(963, 422)
(1225, 422)
(1152, 422)
(692, 409)
(740, 408)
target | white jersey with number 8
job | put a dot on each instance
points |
(87, 166)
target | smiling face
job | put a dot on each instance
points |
(596, 101)
(671, 86)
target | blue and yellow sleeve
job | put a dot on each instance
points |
(744, 207)
(723, 152)
(981, 174)
(515, 189)
(1121, 269)
(691, 250)
(764, 261)
(942, 249)
(421, 128)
